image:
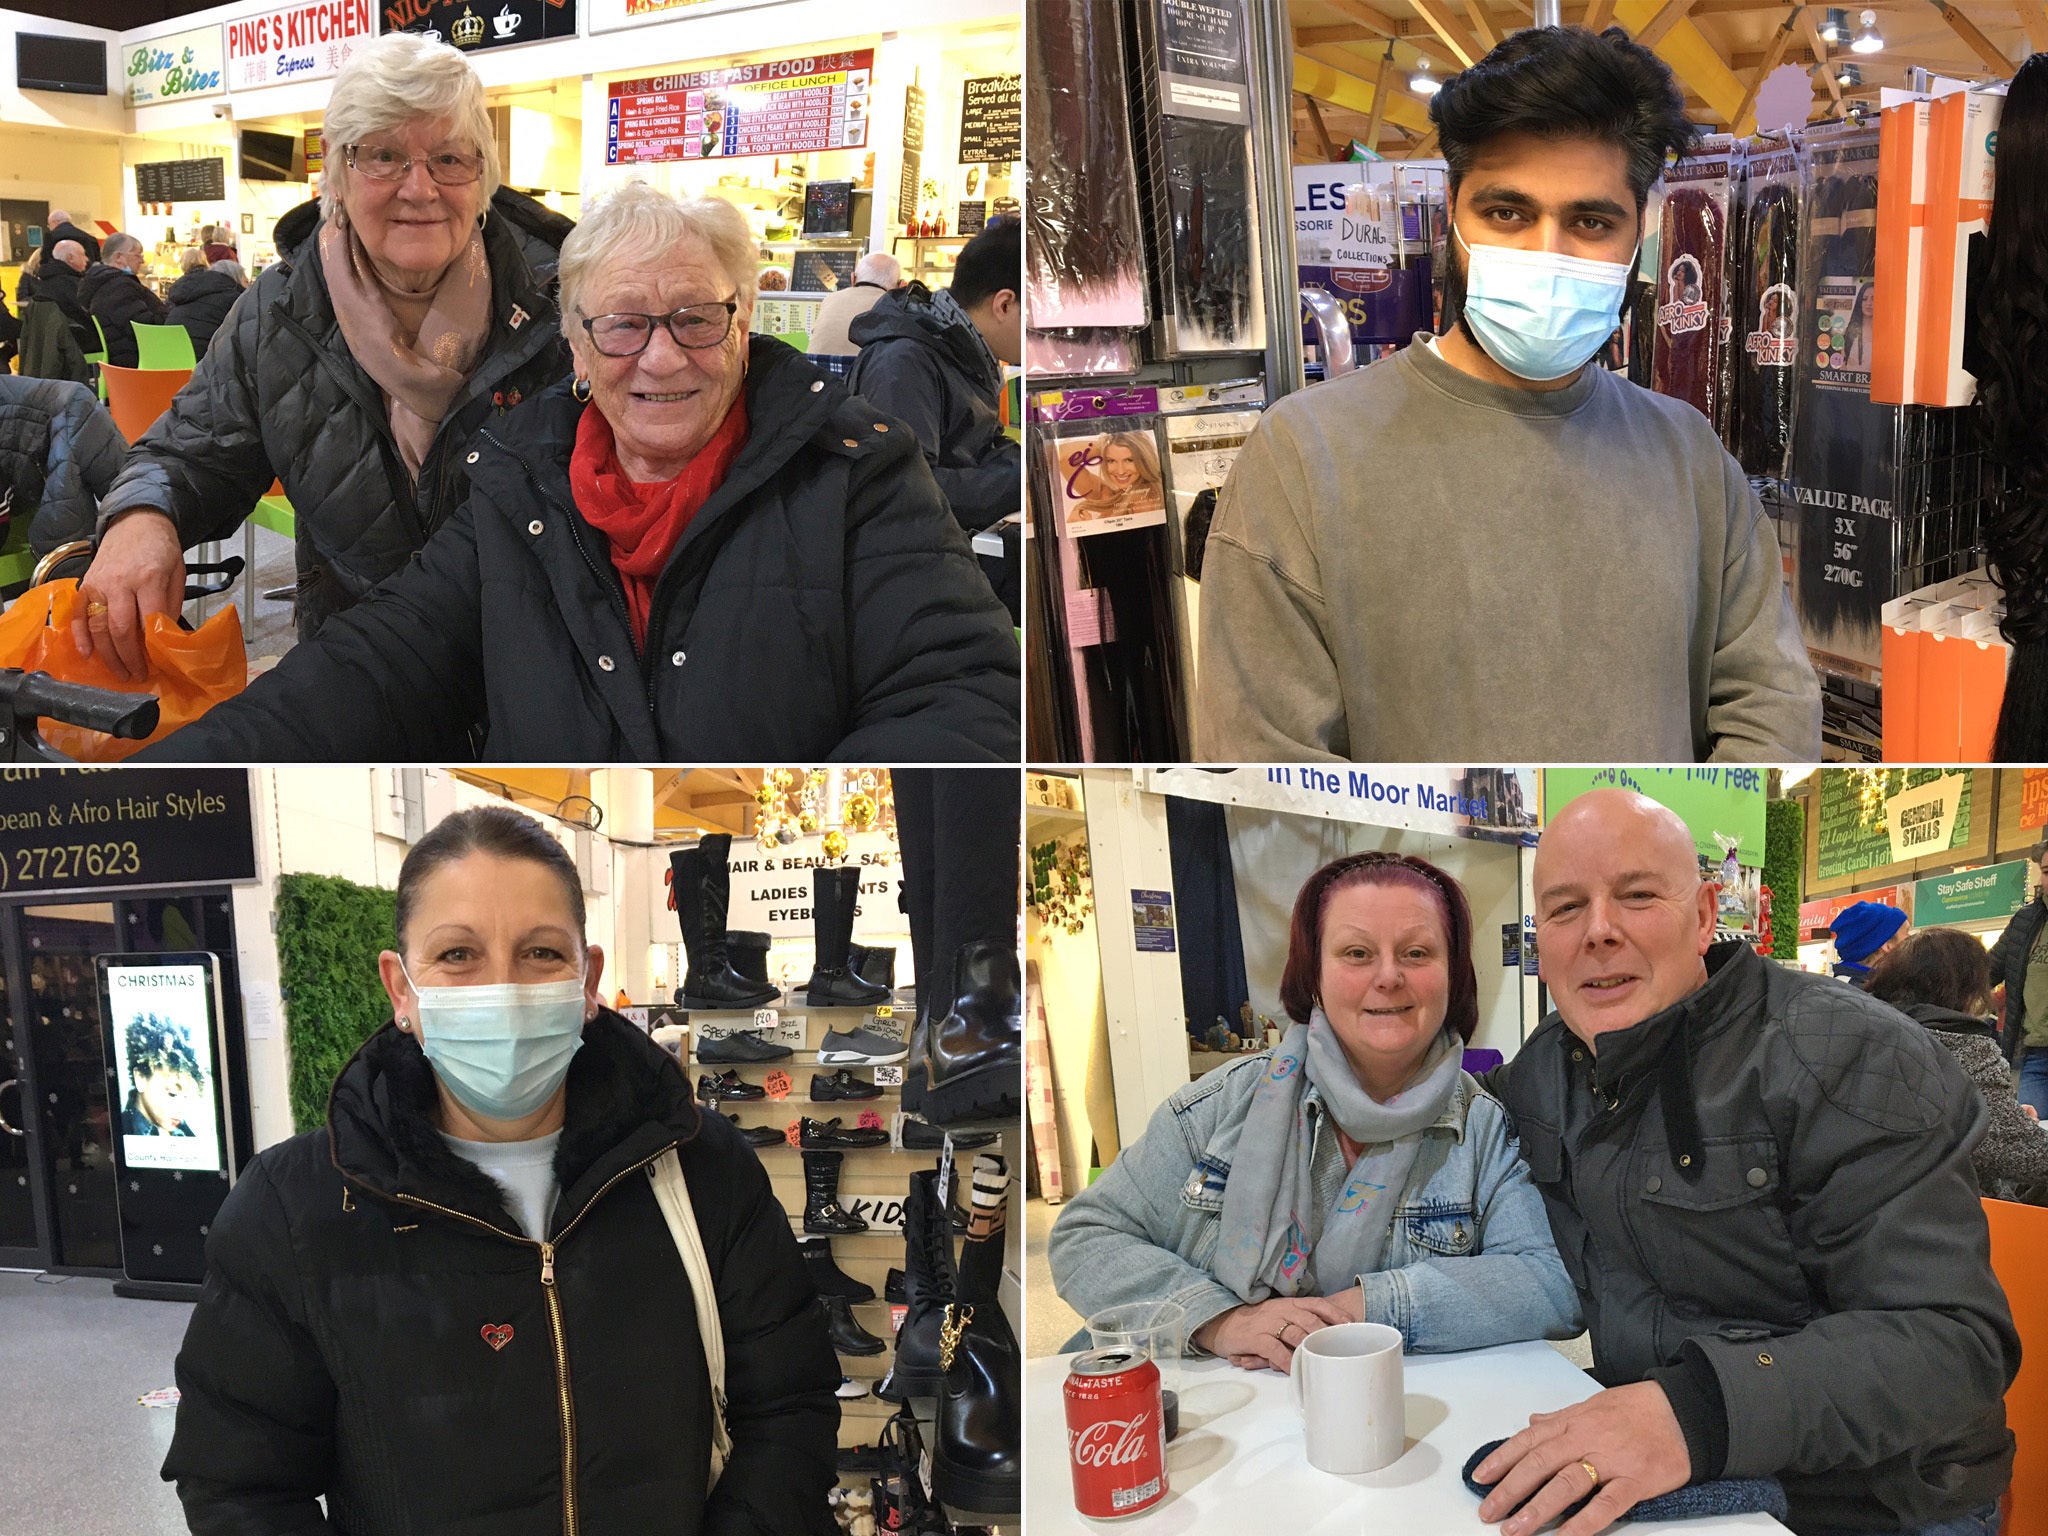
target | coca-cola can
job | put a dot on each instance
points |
(1116, 1436)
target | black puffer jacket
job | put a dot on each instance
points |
(59, 284)
(339, 1347)
(1764, 1196)
(820, 605)
(59, 451)
(2009, 957)
(200, 301)
(117, 298)
(281, 398)
(938, 378)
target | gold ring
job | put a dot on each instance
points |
(94, 607)
(1590, 1472)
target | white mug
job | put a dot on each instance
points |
(1347, 1388)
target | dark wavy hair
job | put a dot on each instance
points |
(1567, 83)
(2012, 328)
(1942, 966)
(160, 1047)
(1301, 980)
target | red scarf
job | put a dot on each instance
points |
(643, 522)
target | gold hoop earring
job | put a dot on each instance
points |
(581, 390)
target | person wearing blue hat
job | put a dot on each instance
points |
(1862, 933)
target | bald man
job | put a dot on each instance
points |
(1760, 1183)
(61, 228)
(58, 281)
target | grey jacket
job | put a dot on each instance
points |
(59, 451)
(2012, 1159)
(1764, 1196)
(1469, 1261)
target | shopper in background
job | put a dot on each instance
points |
(874, 274)
(357, 369)
(1419, 1212)
(10, 335)
(61, 228)
(25, 284)
(1942, 978)
(1863, 933)
(217, 246)
(58, 283)
(401, 1304)
(201, 298)
(1760, 1182)
(59, 451)
(2019, 965)
(1487, 546)
(115, 295)
(720, 555)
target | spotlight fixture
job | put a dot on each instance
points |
(1848, 76)
(1422, 82)
(1834, 27)
(1869, 40)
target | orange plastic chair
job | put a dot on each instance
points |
(2019, 1257)
(137, 396)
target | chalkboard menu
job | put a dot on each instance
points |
(1848, 846)
(822, 271)
(181, 181)
(991, 120)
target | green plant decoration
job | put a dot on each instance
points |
(1062, 894)
(1784, 872)
(329, 934)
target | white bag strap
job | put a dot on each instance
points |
(673, 1195)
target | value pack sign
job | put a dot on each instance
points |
(185, 66)
(297, 42)
(777, 107)
(473, 25)
(71, 829)
(1970, 895)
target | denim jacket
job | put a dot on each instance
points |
(1469, 1260)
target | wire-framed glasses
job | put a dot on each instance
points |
(694, 326)
(380, 162)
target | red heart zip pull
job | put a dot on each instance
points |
(497, 1335)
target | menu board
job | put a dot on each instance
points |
(181, 181)
(823, 271)
(473, 25)
(297, 42)
(777, 107)
(911, 179)
(992, 120)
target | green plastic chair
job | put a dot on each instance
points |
(98, 358)
(801, 340)
(164, 346)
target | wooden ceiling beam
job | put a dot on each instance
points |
(1482, 25)
(1338, 88)
(1820, 54)
(1349, 32)
(1315, 116)
(1379, 100)
(1660, 26)
(1598, 14)
(1992, 55)
(1744, 121)
(1698, 64)
(1370, 16)
(1462, 47)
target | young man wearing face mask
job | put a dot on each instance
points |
(1488, 545)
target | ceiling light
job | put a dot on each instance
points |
(1422, 82)
(1869, 40)
(1834, 28)
(1848, 76)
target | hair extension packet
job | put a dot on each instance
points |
(1767, 308)
(1692, 280)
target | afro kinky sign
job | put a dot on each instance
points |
(77, 829)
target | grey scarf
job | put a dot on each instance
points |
(1263, 1249)
(949, 309)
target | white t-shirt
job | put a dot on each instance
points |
(525, 1170)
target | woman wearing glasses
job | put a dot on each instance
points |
(356, 369)
(698, 548)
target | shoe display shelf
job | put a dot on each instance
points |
(818, 1022)
(875, 1178)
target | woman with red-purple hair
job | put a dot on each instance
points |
(1354, 1174)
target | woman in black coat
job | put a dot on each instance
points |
(200, 300)
(703, 550)
(458, 1307)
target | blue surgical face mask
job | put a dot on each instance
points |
(502, 1050)
(1541, 315)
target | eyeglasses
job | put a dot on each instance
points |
(380, 163)
(694, 326)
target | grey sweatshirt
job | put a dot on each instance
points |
(1409, 564)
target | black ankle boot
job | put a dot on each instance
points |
(848, 1337)
(928, 1288)
(974, 1051)
(875, 964)
(701, 885)
(822, 1211)
(977, 1442)
(834, 894)
(827, 1276)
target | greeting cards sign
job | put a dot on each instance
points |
(185, 66)
(776, 107)
(297, 42)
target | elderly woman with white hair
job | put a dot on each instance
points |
(356, 369)
(703, 548)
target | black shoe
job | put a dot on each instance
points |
(874, 964)
(823, 1214)
(826, 1275)
(848, 1337)
(974, 1052)
(921, 1137)
(827, 1089)
(834, 894)
(978, 1439)
(741, 1045)
(892, 1287)
(758, 1135)
(728, 1085)
(827, 1135)
(701, 883)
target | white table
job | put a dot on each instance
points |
(1240, 1467)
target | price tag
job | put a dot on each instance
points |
(791, 1031)
(889, 1077)
(870, 1121)
(924, 1470)
(793, 1133)
(885, 1012)
(765, 1018)
(897, 1312)
(778, 1084)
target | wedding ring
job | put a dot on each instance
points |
(1595, 1476)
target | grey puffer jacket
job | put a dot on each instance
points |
(2012, 1159)
(1764, 1196)
(278, 396)
(59, 451)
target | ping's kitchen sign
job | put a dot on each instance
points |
(182, 66)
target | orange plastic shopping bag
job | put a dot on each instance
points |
(190, 671)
